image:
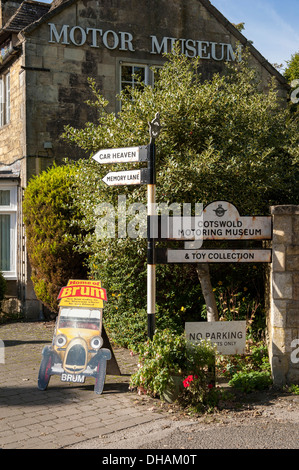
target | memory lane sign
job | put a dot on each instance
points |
(120, 178)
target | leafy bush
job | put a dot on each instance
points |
(250, 381)
(222, 139)
(2, 287)
(49, 216)
(250, 371)
(169, 355)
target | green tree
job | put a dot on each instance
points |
(292, 70)
(52, 232)
(223, 139)
(292, 75)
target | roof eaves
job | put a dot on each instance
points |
(47, 16)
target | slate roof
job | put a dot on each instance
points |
(28, 12)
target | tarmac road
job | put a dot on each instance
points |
(263, 425)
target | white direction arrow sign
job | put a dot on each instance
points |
(122, 155)
(116, 178)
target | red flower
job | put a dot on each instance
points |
(188, 380)
(210, 386)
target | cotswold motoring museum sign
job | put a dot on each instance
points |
(220, 221)
(125, 41)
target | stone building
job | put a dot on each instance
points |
(48, 51)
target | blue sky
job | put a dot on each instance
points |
(272, 25)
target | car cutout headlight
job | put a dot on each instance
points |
(60, 341)
(96, 342)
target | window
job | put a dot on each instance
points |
(8, 224)
(132, 74)
(4, 99)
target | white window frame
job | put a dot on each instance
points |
(148, 72)
(11, 210)
(4, 99)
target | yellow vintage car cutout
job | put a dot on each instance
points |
(76, 351)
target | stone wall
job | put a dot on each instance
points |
(283, 321)
(81, 40)
(12, 136)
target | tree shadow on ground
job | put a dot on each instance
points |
(56, 394)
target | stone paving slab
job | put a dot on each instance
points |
(66, 413)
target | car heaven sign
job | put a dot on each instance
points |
(122, 155)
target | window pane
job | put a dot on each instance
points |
(126, 73)
(4, 242)
(4, 197)
(7, 98)
(1, 102)
(139, 74)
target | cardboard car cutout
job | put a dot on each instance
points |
(76, 351)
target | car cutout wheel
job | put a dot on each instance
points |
(45, 369)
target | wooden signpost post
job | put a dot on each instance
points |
(146, 153)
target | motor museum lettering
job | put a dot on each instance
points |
(124, 41)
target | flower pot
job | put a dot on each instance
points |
(174, 388)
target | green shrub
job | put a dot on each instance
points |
(168, 355)
(250, 381)
(50, 220)
(2, 287)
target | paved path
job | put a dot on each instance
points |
(72, 416)
(64, 414)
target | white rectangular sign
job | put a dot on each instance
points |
(219, 256)
(228, 336)
(116, 178)
(196, 228)
(122, 155)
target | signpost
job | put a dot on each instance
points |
(154, 130)
(122, 155)
(218, 256)
(220, 220)
(119, 178)
(146, 153)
